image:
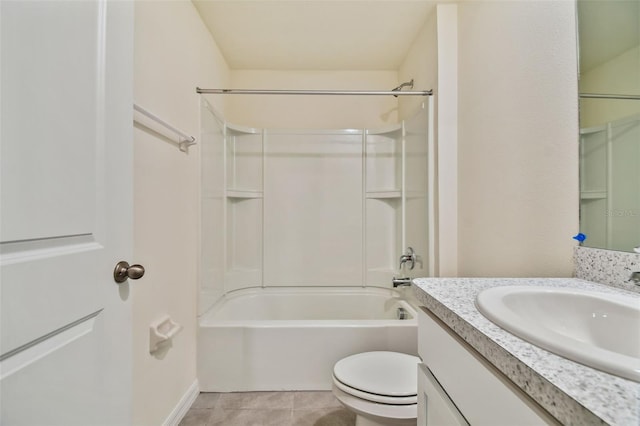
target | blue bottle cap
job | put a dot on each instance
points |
(580, 237)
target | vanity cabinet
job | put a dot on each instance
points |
(457, 386)
(434, 405)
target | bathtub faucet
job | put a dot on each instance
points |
(401, 282)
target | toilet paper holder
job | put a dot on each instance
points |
(161, 332)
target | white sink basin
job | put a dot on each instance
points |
(596, 329)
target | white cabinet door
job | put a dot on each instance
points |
(434, 406)
(481, 392)
(66, 212)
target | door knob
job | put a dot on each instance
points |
(124, 271)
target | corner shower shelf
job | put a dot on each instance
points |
(242, 129)
(394, 193)
(590, 130)
(593, 195)
(242, 193)
(385, 130)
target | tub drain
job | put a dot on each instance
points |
(402, 313)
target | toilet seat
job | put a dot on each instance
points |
(372, 397)
(372, 413)
(381, 377)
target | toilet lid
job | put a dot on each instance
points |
(381, 373)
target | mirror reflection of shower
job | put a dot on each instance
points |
(609, 42)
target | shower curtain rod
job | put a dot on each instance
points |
(313, 92)
(608, 96)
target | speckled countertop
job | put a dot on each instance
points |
(573, 393)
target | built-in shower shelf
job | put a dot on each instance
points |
(235, 128)
(384, 194)
(241, 193)
(593, 195)
(590, 130)
(392, 128)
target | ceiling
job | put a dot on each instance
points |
(372, 34)
(314, 34)
(607, 29)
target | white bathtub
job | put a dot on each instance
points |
(290, 338)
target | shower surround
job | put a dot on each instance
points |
(307, 210)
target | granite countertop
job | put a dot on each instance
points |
(573, 393)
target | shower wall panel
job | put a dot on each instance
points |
(383, 239)
(244, 211)
(212, 208)
(383, 211)
(313, 209)
(416, 190)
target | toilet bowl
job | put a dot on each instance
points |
(381, 388)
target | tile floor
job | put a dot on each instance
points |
(268, 409)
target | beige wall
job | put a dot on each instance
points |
(174, 53)
(313, 112)
(421, 65)
(518, 148)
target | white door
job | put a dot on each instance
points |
(66, 212)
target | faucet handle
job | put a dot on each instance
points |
(409, 257)
(635, 278)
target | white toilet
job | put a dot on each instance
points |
(381, 388)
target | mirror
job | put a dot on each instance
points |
(609, 85)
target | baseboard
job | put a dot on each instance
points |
(183, 406)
